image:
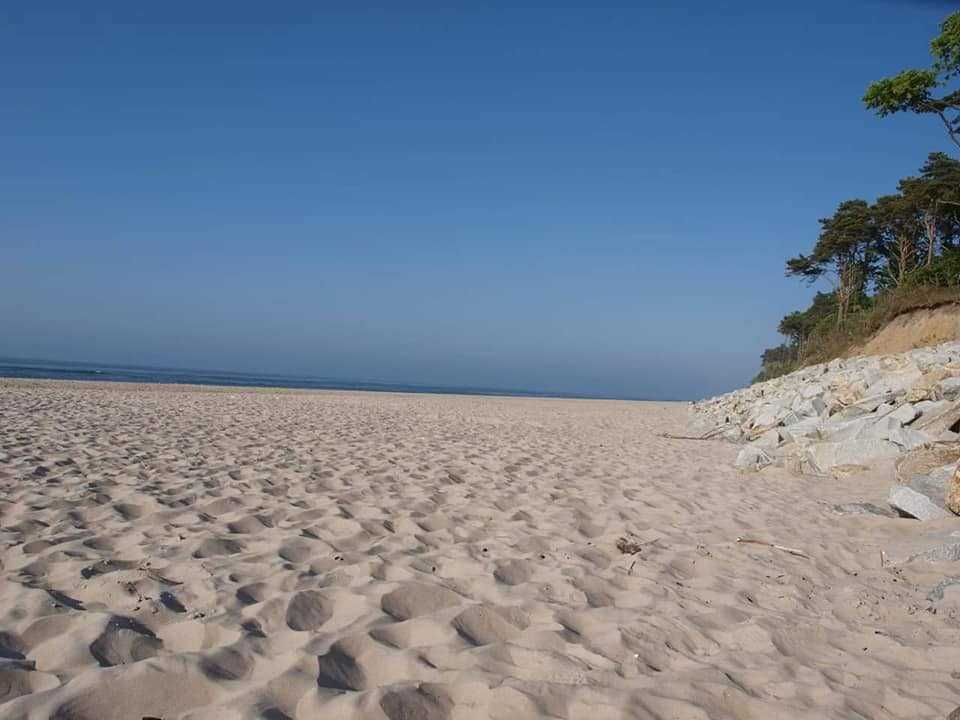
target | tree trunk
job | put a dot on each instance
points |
(930, 228)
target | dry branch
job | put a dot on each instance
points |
(792, 551)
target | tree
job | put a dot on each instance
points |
(915, 90)
(899, 230)
(935, 196)
(847, 249)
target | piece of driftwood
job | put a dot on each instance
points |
(709, 435)
(792, 551)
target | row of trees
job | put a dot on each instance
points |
(867, 248)
(906, 239)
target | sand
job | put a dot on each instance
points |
(177, 552)
(915, 329)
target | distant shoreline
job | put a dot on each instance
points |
(29, 369)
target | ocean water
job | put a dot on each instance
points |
(41, 369)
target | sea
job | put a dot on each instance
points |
(43, 369)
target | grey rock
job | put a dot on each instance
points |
(936, 594)
(863, 508)
(905, 414)
(936, 546)
(945, 552)
(769, 440)
(807, 428)
(752, 457)
(911, 503)
(864, 428)
(931, 407)
(933, 484)
(825, 455)
(907, 438)
(866, 406)
(950, 387)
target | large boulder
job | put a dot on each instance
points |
(820, 457)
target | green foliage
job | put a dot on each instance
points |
(914, 90)
(910, 90)
(943, 272)
(945, 48)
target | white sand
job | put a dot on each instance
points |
(184, 552)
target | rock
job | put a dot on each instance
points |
(842, 472)
(769, 439)
(911, 503)
(939, 590)
(907, 438)
(931, 407)
(950, 387)
(869, 427)
(854, 411)
(897, 383)
(905, 414)
(952, 498)
(862, 508)
(806, 428)
(752, 457)
(866, 406)
(820, 457)
(945, 552)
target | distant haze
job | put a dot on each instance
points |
(573, 199)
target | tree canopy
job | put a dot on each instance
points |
(926, 91)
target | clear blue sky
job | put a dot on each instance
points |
(564, 196)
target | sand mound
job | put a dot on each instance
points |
(124, 641)
(414, 599)
(308, 610)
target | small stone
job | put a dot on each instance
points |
(842, 472)
(858, 508)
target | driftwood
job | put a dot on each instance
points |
(709, 435)
(792, 551)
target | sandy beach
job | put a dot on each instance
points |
(184, 552)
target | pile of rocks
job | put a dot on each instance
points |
(832, 418)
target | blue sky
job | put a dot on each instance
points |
(571, 197)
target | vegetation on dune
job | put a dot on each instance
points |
(899, 253)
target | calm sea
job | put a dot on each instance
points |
(41, 369)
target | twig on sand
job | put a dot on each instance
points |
(792, 551)
(706, 436)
